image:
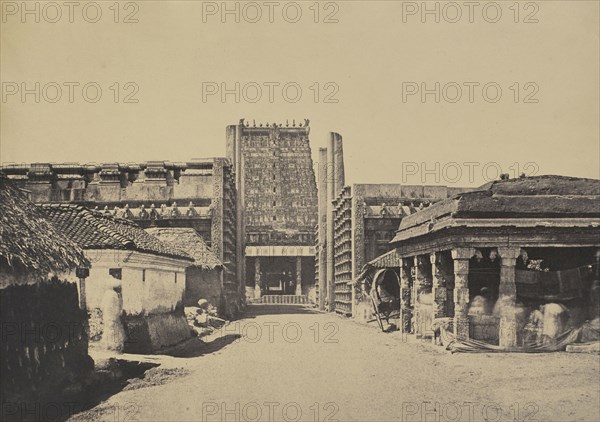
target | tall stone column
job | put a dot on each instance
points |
(461, 258)
(298, 276)
(406, 310)
(257, 290)
(322, 233)
(438, 288)
(508, 297)
(335, 182)
(338, 162)
(422, 285)
(330, 225)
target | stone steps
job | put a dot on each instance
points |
(283, 300)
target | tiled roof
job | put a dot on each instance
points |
(188, 240)
(28, 240)
(94, 230)
(387, 260)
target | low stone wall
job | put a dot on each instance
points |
(44, 342)
(485, 328)
(150, 333)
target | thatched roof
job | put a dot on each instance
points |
(28, 241)
(95, 230)
(190, 241)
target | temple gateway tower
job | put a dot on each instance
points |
(277, 209)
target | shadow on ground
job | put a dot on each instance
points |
(195, 347)
(254, 310)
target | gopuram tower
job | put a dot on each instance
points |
(276, 209)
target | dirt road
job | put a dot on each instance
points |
(286, 363)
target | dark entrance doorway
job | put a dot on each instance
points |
(278, 275)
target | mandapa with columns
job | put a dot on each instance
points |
(425, 274)
(454, 248)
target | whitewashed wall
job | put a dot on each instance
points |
(156, 292)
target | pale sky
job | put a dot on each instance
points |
(369, 55)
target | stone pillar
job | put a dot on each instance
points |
(438, 291)
(335, 182)
(338, 162)
(461, 258)
(507, 297)
(322, 233)
(234, 151)
(257, 289)
(330, 225)
(422, 285)
(406, 310)
(298, 276)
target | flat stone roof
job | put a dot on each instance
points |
(553, 198)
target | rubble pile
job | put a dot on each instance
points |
(203, 319)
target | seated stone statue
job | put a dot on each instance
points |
(481, 304)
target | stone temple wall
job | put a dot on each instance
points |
(198, 194)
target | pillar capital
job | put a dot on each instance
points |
(420, 260)
(461, 267)
(405, 276)
(509, 252)
(433, 258)
(463, 253)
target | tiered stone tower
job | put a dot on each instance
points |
(277, 206)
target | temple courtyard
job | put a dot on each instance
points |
(291, 363)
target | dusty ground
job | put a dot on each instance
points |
(287, 363)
